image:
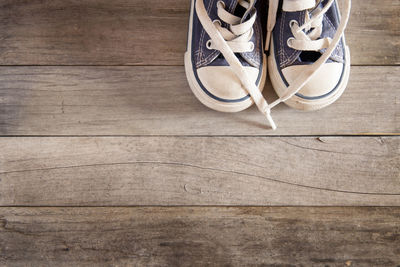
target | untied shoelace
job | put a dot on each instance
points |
(236, 38)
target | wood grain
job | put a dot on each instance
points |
(152, 32)
(198, 236)
(92, 171)
(158, 101)
(136, 136)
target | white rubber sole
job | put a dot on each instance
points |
(202, 96)
(301, 103)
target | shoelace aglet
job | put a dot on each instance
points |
(271, 122)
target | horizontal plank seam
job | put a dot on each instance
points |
(195, 206)
(366, 135)
(158, 65)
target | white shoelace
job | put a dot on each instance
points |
(310, 41)
(236, 39)
(239, 34)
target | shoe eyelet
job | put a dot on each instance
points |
(251, 46)
(220, 2)
(292, 22)
(217, 21)
(208, 45)
(289, 42)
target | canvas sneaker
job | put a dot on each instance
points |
(225, 62)
(309, 62)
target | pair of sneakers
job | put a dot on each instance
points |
(308, 62)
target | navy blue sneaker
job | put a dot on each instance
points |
(225, 62)
(309, 62)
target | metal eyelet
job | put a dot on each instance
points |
(292, 22)
(289, 42)
(208, 44)
(217, 21)
(220, 2)
(251, 46)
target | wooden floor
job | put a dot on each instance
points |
(107, 158)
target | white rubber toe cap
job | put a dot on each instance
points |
(221, 82)
(323, 82)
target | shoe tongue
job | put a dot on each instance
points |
(297, 5)
(249, 10)
(238, 10)
(245, 13)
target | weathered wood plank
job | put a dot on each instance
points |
(158, 101)
(199, 171)
(152, 32)
(198, 236)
